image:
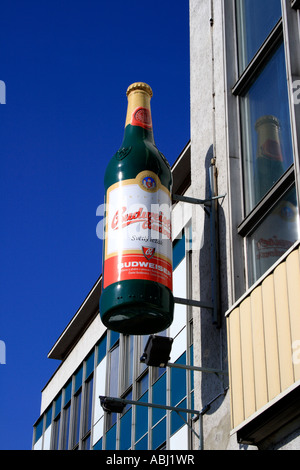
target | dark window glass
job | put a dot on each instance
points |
(274, 236)
(178, 251)
(48, 417)
(57, 405)
(176, 419)
(266, 131)
(125, 434)
(111, 438)
(88, 405)
(142, 444)
(98, 445)
(39, 429)
(89, 365)
(66, 426)
(78, 379)
(178, 381)
(159, 434)
(68, 391)
(101, 349)
(76, 425)
(159, 398)
(56, 433)
(255, 21)
(141, 418)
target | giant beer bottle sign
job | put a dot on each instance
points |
(138, 231)
(137, 293)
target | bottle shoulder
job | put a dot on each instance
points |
(130, 160)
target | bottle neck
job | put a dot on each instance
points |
(138, 119)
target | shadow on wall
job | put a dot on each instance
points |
(213, 338)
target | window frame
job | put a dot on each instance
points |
(243, 224)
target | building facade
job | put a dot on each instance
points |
(236, 261)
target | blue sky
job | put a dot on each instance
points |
(66, 66)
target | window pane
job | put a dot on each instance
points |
(142, 385)
(114, 372)
(256, 19)
(159, 398)
(178, 382)
(98, 445)
(125, 434)
(176, 419)
(159, 434)
(114, 337)
(101, 349)
(274, 236)
(142, 444)
(56, 433)
(57, 405)
(78, 379)
(128, 363)
(89, 365)
(76, 424)
(111, 438)
(66, 426)
(178, 251)
(86, 443)
(141, 418)
(88, 405)
(48, 417)
(68, 391)
(39, 429)
(266, 132)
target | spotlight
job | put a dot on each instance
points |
(111, 406)
(157, 351)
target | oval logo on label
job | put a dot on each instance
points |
(149, 182)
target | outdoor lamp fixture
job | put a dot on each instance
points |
(157, 354)
(157, 351)
(111, 405)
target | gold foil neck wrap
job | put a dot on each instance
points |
(139, 96)
(140, 86)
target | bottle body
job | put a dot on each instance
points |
(137, 295)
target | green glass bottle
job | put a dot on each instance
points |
(136, 293)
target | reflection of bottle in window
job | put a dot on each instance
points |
(269, 161)
(279, 230)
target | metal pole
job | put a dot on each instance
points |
(193, 303)
(196, 368)
(150, 405)
(214, 246)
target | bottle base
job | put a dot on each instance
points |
(136, 307)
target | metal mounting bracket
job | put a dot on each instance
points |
(211, 208)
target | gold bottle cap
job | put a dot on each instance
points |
(139, 86)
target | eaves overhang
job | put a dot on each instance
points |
(80, 321)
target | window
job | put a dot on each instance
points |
(256, 19)
(270, 209)
(266, 131)
(141, 428)
(57, 416)
(127, 362)
(66, 415)
(274, 235)
(88, 404)
(76, 419)
(101, 349)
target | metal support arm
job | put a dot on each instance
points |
(211, 208)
